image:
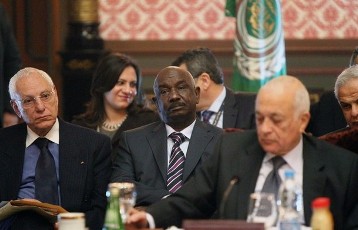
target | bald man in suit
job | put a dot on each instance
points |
(143, 153)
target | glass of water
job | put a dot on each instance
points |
(262, 209)
(127, 198)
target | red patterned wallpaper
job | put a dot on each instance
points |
(204, 19)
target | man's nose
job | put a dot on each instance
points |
(355, 110)
(173, 94)
(39, 104)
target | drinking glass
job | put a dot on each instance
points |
(127, 198)
(262, 209)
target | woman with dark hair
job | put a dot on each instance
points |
(116, 98)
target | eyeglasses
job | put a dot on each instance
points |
(29, 102)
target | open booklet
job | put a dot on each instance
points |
(49, 211)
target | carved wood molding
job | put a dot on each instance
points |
(307, 48)
(226, 46)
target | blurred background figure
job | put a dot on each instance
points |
(326, 114)
(346, 91)
(218, 105)
(10, 61)
(116, 98)
(10, 118)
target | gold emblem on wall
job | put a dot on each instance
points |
(84, 11)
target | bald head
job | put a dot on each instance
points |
(170, 72)
(289, 86)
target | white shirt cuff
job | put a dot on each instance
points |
(150, 220)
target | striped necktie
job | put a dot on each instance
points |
(206, 115)
(176, 163)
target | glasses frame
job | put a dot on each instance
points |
(33, 100)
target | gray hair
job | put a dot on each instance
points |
(26, 72)
(347, 75)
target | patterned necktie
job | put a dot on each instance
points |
(45, 174)
(206, 114)
(176, 163)
(273, 180)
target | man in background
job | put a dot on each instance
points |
(48, 159)
(160, 157)
(10, 61)
(346, 92)
(250, 157)
(326, 114)
(218, 105)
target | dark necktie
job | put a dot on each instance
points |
(176, 163)
(45, 175)
(273, 180)
(206, 114)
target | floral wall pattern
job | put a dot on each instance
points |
(205, 19)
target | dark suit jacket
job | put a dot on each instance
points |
(239, 110)
(327, 171)
(326, 115)
(141, 157)
(84, 169)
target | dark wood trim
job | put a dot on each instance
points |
(323, 46)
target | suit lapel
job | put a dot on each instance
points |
(249, 166)
(73, 163)
(199, 140)
(157, 140)
(230, 110)
(314, 177)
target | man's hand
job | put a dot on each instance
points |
(137, 218)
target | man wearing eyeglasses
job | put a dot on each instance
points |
(48, 159)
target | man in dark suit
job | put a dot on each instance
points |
(144, 154)
(80, 157)
(226, 108)
(282, 114)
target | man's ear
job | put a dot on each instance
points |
(197, 94)
(204, 81)
(15, 108)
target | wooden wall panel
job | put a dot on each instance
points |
(315, 62)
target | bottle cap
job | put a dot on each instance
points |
(289, 173)
(321, 202)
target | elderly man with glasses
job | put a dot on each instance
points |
(49, 160)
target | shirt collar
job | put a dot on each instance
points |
(187, 131)
(216, 105)
(53, 135)
(293, 158)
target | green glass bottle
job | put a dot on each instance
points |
(113, 219)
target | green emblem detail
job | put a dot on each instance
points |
(261, 17)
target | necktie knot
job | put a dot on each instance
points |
(273, 180)
(177, 137)
(206, 115)
(41, 142)
(277, 162)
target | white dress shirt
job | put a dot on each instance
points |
(215, 107)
